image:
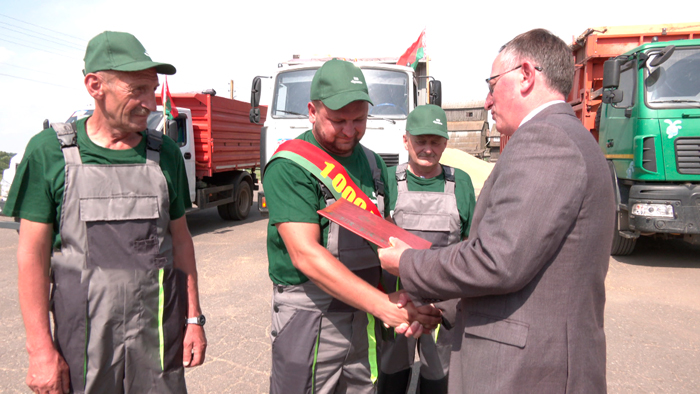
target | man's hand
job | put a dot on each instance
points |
(195, 346)
(390, 256)
(48, 372)
(424, 318)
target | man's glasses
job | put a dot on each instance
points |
(493, 86)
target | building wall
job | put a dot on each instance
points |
(467, 141)
(467, 127)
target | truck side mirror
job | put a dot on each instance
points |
(254, 115)
(255, 92)
(611, 73)
(171, 129)
(663, 56)
(435, 93)
(612, 96)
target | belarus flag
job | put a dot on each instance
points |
(414, 53)
(169, 108)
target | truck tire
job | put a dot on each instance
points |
(621, 246)
(240, 207)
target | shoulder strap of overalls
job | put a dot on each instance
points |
(401, 177)
(154, 141)
(376, 177)
(449, 179)
(67, 134)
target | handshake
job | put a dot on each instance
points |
(408, 319)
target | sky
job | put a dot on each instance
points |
(211, 42)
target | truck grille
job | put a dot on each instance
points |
(391, 159)
(688, 156)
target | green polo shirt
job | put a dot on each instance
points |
(37, 189)
(293, 195)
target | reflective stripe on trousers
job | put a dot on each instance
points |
(315, 350)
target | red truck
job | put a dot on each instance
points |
(221, 149)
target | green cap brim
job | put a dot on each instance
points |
(428, 131)
(161, 68)
(342, 99)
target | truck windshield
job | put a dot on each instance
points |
(676, 82)
(387, 89)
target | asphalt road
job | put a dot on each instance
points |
(652, 313)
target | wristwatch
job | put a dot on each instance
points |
(199, 320)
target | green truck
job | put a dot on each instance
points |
(648, 126)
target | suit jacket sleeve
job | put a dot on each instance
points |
(532, 200)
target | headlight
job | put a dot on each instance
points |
(653, 210)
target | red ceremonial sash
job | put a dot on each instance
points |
(327, 170)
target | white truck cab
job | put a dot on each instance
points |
(394, 90)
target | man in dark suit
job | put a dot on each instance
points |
(531, 274)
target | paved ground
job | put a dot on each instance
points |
(652, 314)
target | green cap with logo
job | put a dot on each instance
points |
(113, 50)
(427, 120)
(338, 83)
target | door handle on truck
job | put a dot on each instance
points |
(187, 155)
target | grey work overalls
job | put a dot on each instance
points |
(118, 303)
(320, 344)
(435, 217)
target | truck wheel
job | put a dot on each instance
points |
(621, 246)
(240, 208)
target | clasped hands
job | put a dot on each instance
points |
(421, 320)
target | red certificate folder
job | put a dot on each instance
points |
(370, 226)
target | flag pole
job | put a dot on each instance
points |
(427, 67)
(162, 103)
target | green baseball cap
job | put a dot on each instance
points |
(113, 50)
(427, 120)
(338, 83)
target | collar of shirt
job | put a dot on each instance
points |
(538, 110)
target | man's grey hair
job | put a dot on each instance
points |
(546, 50)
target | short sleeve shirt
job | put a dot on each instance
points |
(293, 195)
(37, 189)
(464, 192)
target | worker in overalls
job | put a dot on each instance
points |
(325, 278)
(102, 203)
(435, 202)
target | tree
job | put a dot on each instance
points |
(5, 160)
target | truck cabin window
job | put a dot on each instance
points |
(387, 89)
(292, 92)
(676, 82)
(627, 83)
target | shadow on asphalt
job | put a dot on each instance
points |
(209, 221)
(673, 253)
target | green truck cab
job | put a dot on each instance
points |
(649, 131)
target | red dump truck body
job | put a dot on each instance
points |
(596, 45)
(225, 140)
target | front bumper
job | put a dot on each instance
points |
(685, 200)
